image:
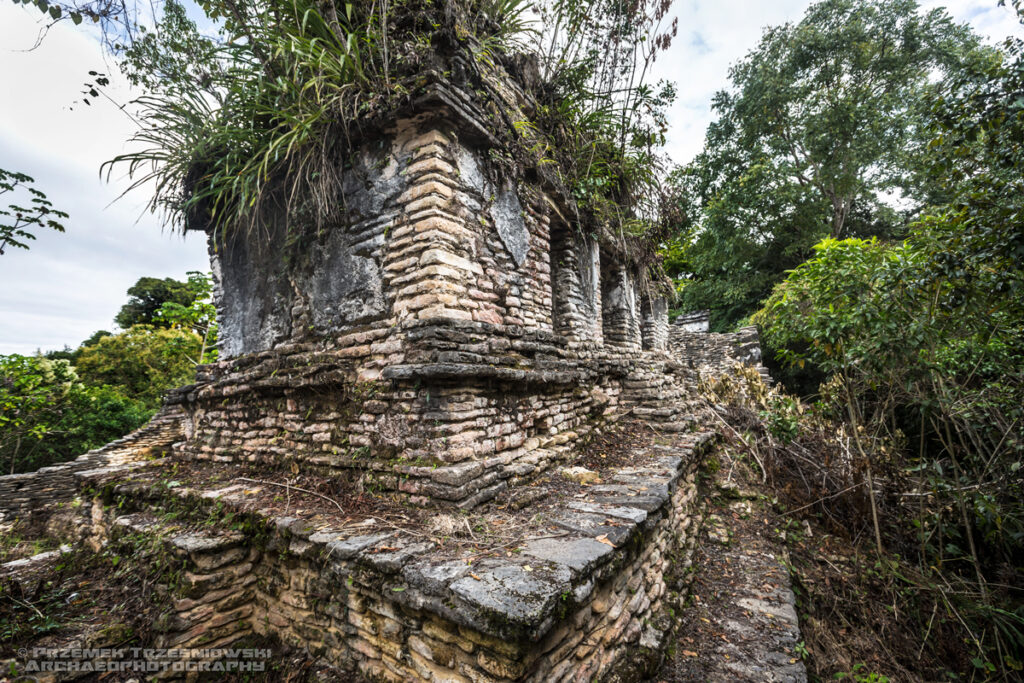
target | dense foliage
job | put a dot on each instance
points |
(58, 406)
(143, 361)
(147, 297)
(48, 415)
(824, 118)
(923, 345)
(603, 122)
(198, 316)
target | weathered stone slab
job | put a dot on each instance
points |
(350, 547)
(632, 514)
(508, 219)
(595, 525)
(434, 578)
(648, 503)
(579, 554)
(390, 556)
(511, 599)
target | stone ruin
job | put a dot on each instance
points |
(449, 346)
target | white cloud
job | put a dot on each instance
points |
(69, 285)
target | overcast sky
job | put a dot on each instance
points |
(70, 285)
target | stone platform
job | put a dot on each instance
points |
(582, 583)
(584, 588)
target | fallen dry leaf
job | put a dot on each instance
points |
(603, 538)
(689, 653)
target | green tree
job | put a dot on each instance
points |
(17, 219)
(92, 417)
(31, 391)
(95, 337)
(149, 294)
(48, 416)
(200, 316)
(70, 354)
(824, 117)
(926, 339)
(142, 362)
(930, 368)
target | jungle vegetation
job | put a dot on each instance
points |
(58, 405)
(860, 199)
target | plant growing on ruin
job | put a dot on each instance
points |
(266, 126)
(255, 124)
(606, 121)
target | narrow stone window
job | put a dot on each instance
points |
(563, 267)
(654, 326)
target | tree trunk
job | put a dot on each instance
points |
(840, 210)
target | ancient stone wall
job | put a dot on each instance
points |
(620, 308)
(698, 321)
(35, 493)
(715, 353)
(426, 332)
(592, 596)
(427, 234)
(580, 610)
(576, 272)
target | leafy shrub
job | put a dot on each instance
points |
(143, 362)
(47, 415)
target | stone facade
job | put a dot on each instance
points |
(714, 353)
(443, 343)
(451, 326)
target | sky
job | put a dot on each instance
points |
(69, 285)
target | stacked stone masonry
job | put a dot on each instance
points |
(394, 607)
(714, 353)
(454, 324)
(445, 343)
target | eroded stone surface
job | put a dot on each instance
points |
(579, 554)
(508, 219)
(511, 595)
